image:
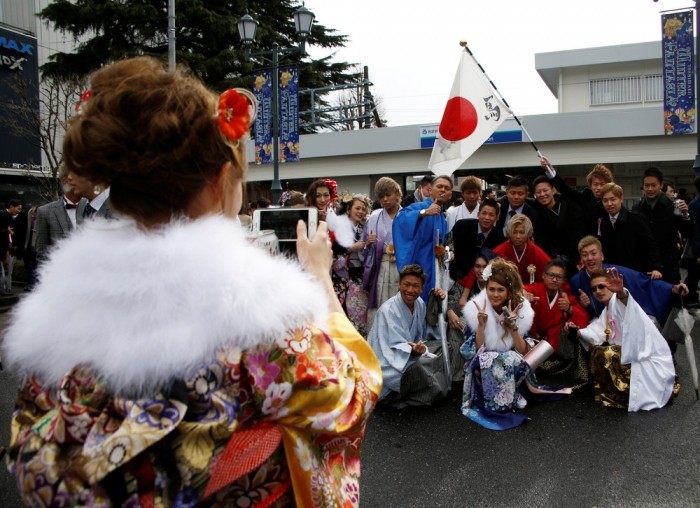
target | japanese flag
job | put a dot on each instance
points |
(472, 113)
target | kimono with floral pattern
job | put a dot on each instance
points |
(229, 385)
(83, 445)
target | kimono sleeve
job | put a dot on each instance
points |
(323, 389)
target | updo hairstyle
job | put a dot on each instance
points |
(152, 136)
(506, 274)
(348, 200)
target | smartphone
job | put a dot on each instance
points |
(283, 221)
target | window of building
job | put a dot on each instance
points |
(626, 90)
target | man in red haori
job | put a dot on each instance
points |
(553, 306)
(522, 250)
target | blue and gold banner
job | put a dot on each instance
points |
(262, 130)
(288, 103)
(678, 72)
(289, 114)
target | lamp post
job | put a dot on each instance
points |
(247, 25)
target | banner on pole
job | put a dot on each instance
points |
(678, 72)
(262, 130)
(473, 112)
(288, 105)
(289, 114)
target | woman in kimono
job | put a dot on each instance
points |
(322, 195)
(455, 321)
(349, 251)
(157, 386)
(630, 362)
(499, 319)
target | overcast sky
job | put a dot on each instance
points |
(412, 48)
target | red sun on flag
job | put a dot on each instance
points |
(459, 120)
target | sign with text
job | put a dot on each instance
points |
(508, 132)
(19, 98)
(288, 105)
(678, 59)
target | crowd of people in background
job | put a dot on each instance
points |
(415, 274)
(555, 237)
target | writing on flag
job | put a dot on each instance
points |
(473, 112)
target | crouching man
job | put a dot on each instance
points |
(414, 374)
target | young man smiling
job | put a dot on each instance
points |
(418, 228)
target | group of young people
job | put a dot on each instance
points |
(544, 262)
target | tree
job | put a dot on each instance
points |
(206, 34)
(43, 124)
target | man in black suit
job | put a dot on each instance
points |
(562, 224)
(24, 243)
(7, 250)
(515, 201)
(626, 236)
(470, 235)
(421, 193)
(667, 222)
(589, 198)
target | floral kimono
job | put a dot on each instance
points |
(218, 393)
(494, 373)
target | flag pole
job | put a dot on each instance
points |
(463, 43)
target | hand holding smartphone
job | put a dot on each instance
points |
(283, 221)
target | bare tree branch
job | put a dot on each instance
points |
(41, 118)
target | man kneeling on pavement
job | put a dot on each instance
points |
(412, 364)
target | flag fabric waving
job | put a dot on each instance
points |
(472, 113)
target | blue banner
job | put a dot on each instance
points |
(288, 103)
(289, 114)
(262, 130)
(678, 72)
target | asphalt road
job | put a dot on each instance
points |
(572, 453)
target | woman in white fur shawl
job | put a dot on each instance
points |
(165, 361)
(349, 250)
(498, 318)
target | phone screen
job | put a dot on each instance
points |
(283, 221)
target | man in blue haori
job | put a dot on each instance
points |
(652, 295)
(418, 228)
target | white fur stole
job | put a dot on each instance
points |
(493, 330)
(142, 307)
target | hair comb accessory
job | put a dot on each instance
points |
(487, 272)
(84, 97)
(237, 111)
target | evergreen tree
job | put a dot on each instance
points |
(207, 38)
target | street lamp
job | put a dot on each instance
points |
(247, 25)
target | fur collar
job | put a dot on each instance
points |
(494, 330)
(142, 307)
(342, 228)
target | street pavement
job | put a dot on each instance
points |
(572, 453)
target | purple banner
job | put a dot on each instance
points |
(289, 115)
(262, 130)
(678, 72)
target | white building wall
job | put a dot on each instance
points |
(575, 85)
(19, 14)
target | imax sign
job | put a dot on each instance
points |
(19, 47)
